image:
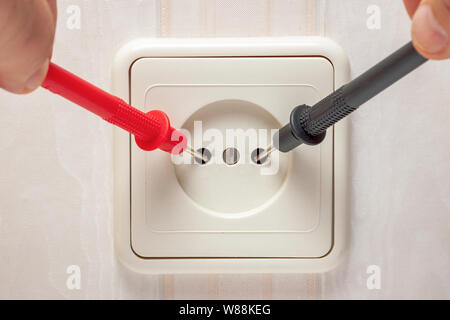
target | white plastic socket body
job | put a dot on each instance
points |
(230, 215)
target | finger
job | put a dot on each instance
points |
(26, 40)
(431, 29)
(54, 9)
(411, 6)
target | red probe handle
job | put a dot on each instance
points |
(151, 130)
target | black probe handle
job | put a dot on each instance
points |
(309, 124)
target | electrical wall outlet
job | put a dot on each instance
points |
(230, 215)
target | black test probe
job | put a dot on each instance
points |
(308, 125)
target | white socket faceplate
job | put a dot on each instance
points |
(187, 218)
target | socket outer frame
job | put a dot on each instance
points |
(229, 47)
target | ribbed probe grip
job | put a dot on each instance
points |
(143, 126)
(151, 130)
(336, 109)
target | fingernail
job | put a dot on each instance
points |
(36, 79)
(428, 34)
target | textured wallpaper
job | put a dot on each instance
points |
(56, 177)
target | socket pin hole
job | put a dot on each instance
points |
(255, 154)
(231, 156)
(206, 155)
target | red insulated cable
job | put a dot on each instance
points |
(152, 130)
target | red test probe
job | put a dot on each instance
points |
(152, 130)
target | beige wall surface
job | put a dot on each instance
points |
(56, 179)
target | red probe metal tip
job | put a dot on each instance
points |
(152, 130)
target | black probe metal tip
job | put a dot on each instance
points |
(293, 134)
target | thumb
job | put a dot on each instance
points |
(26, 40)
(431, 29)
